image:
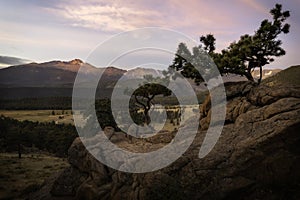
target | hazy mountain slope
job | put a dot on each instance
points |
(290, 75)
(140, 72)
(54, 74)
(32, 75)
(56, 78)
(265, 73)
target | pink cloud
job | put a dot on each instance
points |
(255, 5)
(227, 21)
(127, 15)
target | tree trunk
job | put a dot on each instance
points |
(147, 117)
(249, 76)
(19, 150)
(260, 75)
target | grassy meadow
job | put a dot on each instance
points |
(58, 116)
(19, 177)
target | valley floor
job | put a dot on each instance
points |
(18, 177)
(58, 116)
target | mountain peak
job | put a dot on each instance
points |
(76, 62)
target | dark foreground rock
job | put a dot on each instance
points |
(256, 157)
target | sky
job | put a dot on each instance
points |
(44, 30)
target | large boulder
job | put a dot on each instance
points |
(256, 157)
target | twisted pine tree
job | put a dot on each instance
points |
(243, 56)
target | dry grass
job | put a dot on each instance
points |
(22, 176)
(40, 115)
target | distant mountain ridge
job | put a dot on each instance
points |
(140, 72)
(56, 78)
(62, 74)
(288, 76)
(53, 74)
(266, 73)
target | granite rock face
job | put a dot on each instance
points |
(256, 157)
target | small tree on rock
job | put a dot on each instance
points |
(146, 93)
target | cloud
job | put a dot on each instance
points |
(255, 5)
(192, 17)
(115, 16)
(108, 17)
(9, 61)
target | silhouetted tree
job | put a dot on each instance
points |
(259, 49)
(243, 56)
(190, 64)
(145, 94)
(209, 42)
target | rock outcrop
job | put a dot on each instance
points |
(256, 157)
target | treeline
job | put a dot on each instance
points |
(65, 103)
(45, 103)
(50, 137)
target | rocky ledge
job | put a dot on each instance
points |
(256, 157)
